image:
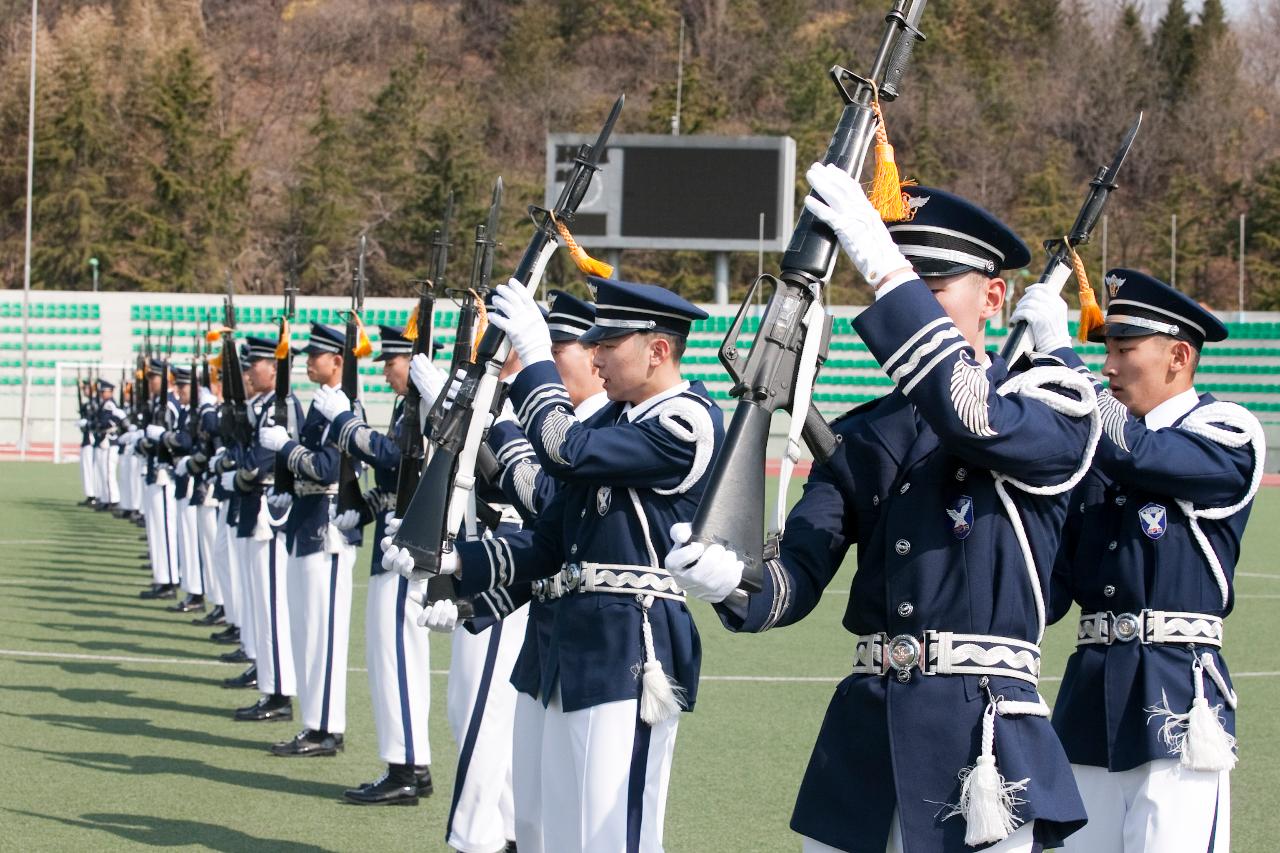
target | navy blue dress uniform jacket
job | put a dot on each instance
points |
(606, 466)
(381, 453)
(913, 485)
(314, 459)
(257, 465)
(163, 413)
(1129, 546)
(178, 440)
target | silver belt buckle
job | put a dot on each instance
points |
(903, 654)
(571, 576)
(1126, 627)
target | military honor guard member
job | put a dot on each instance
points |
(190, 566)
(1146, 710)
(160, 512)
(954, 488)
(108, 418)
(623, 656)
(207, 502)
(86, 443)
(261, 519)
(396, 649)
(228, 552)
(321, 554)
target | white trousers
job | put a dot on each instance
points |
(127, 477)
(604, 777)
(206, 536)
(1021, 840)
(481, 704)
(1160, 805)
(87, 481)
(190, 566)
(105, 483)
(226, 563)
(162, 530)
(248, 622)
(268, 587)
(526, 772)
(396, 654)
(320, 622)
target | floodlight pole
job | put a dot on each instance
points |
(93, 262)
(722, 278)
(675, 117)
(1173, 250)
(1240, 282)
(23, 439)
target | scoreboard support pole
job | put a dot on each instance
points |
(722, 278)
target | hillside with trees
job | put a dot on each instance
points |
(177, 139)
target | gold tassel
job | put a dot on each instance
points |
(1090, 313)
(282, 345)
(411, 327)
(482, 323)
(886, 194)
(213, 374)
(363, 345)
(215, 335)
(586, 264)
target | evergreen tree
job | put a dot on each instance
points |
(1174, 49)
(323, 203)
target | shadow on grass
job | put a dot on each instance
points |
(190, 768)
(115, 670)
(132, 727)
(168, 832)
(123, 698)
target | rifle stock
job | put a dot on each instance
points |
(284, 383)
(349, 494)
(731, 512)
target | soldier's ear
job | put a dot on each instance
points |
(994, 292)
(1182, 356)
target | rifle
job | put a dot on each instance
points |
(354, 345)
(436, 510)
(284, 366)
(195, 459)
(142, 386)
(234, 425)
(791, 343)
(1062, 251)
(163, 453)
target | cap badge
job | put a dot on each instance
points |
(1113, 284)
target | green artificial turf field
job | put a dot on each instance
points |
(114, 732)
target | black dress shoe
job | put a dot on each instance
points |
(87, 502)
(274, 707)
(308, 742)
(237, 656)
(105, 507)
(248, 678)
(216, 616)
(510, 848)
(396, 787)
(189, 604)
(159, 590)
(422, 778)
(227, 637)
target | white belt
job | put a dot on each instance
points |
(946, 653)
(1149, 626)
(608, 577)
(302, 488)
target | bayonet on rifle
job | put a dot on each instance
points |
(284, 368)
(354, 345)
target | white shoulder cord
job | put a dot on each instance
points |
(1229, 425)
(805, 377)
(1031, 384)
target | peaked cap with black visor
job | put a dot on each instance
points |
(394, 343)
(1141, 305)
(948, 235)
(625, 307)
(570, 317)
(323, 339)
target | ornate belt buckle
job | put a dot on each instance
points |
(572, 576)
(903, 654)
(1126, 627)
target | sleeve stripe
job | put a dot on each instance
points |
(912, 341)
(934, 362)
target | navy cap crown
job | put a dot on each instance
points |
(1141, 304)
(948, 235)
(570, 317)
(626, 307)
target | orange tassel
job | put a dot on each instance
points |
(282, 345)
(215, 335)
(586, 264)
(411, 327)
(215, 362)
(1090, 312)
(213, 374)
(886, 194)
(363, 345)
(482, 323)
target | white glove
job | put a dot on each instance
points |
(330, 402)
(706, 572)
(279, 500)
(1045, 313)
(454, 387)
(154, 432)
(348, 520)
(273, 437)
(206, 398)
(508, 412)
(399, 560)
(227, 480)
(518, 315)
(82, 423)
(440, 616)
(426, 377)
(182, 468)
(863, 235)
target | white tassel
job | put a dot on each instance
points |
(1197, 737)
(660, 697)
(987, 801)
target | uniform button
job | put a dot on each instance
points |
(903, 490)
(583, 513)
(573, 549)
(903, 547)
(1120, 500)
(1082, 506)
(875, 500)
(905, 609)
(1108, 590)
(1111, 546)
(961, 473)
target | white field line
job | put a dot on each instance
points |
(780, 679)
